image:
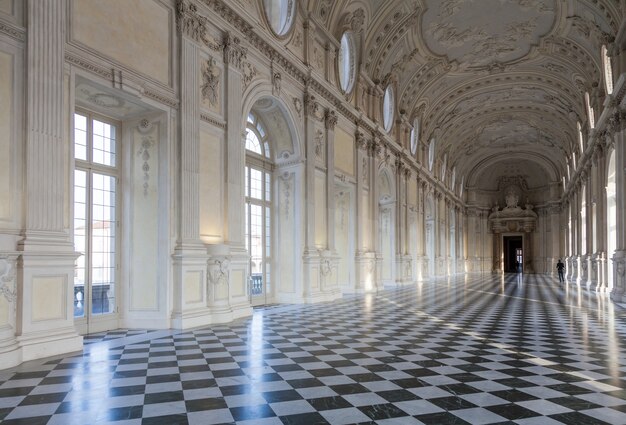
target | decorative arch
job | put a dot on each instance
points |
(271, 193)
(546, 164)
(263, 92)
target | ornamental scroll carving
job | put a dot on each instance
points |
(7, 278)
(219, 271)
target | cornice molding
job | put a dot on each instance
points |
(213, 121)
(12, 31)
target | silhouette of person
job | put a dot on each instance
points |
(560, 267)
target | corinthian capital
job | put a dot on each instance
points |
(331, 119)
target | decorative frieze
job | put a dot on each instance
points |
(194, 25)
(211, 120)
(12, 31)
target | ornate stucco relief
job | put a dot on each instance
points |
(8, 286)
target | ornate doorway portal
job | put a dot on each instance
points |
(513, 253)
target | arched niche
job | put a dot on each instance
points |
(283, 173)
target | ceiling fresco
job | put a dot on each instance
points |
(488, 78)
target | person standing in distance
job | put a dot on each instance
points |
(560, 267)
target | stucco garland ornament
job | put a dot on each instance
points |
(7, 279)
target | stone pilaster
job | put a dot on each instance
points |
(365, 261)
(619, 257)
(45, 275)
(330, 121)
(190, 306)
(235, 61)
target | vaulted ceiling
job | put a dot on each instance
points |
(490, 80)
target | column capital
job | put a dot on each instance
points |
(330, 119)
(234, 53)
(311, 107)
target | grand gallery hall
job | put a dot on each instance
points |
(303, 212)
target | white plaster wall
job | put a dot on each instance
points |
(5, 309)
(6, 6)
(286, 251)
(344, 151)
(6, 140)
(144, 291)
(320, 208)
(211, 188)
(133, 33)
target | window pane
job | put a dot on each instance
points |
(268, 187)
(247, 227)
(103, 263)
(247, 183)
(80, 137)
(252, 142)
(80, 232)
(268, 232)
(256, 184)
(103, 143)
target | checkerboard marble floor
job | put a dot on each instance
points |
(484, 349)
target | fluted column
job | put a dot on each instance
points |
(619, 257)
(234, 59)
(45, 319)
(330, 121)
(364, 272)
(189, 141)
(46, 158)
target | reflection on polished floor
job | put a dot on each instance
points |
(478, 349)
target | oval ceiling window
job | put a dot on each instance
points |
(415, 135)
(388, 108)
(280, 15)
(346, 62)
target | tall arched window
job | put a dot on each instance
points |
(590, 112)
(608, 71)
(574, 160)
(444, 165)
(415, 135)
(388, 105)
(431, 154)
(453, 178)
(258, 208)
(580, 136)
